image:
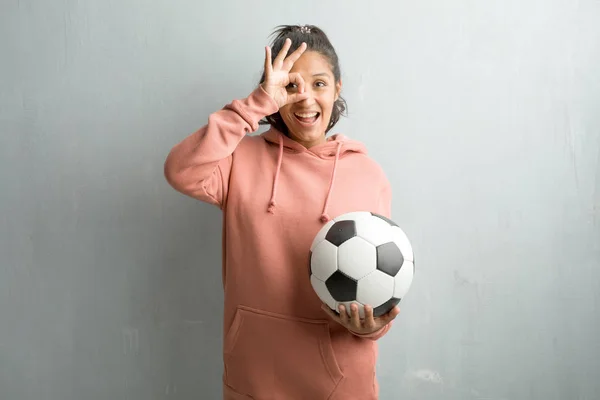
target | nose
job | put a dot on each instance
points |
(310, 96)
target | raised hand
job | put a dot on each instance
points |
(278, 76)
(362, 326)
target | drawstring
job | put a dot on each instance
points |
(272, 203)
(325, 217)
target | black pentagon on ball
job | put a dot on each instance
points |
(389, 258)
(385, 307)
(341, 287)
(389, 221)
(340, 232)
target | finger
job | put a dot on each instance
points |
(369, 320)
(295, 98)
(300, 94)
(356, 322)
(297, 79)
(343, 314)
(292, 58)
(281, 56)
(268, 65)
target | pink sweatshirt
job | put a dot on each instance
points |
(275, 195)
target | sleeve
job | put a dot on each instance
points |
(199, 166)
(385, 199)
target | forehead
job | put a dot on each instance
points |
(311, 62)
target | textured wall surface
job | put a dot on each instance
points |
(485, 115)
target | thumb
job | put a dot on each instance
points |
(393, 313)
(296, 97)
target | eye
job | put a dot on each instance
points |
(291, 86)
(320, 84)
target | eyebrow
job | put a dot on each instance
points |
(322, 74)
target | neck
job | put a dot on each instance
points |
(308, 143)
(313, 143)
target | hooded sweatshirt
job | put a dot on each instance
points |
(275, 195)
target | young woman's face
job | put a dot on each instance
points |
(308, 119)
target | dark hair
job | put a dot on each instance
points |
(316, 40)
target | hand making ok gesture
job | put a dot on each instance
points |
(278, 76)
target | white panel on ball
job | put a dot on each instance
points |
(375, 289)
(324, 260)
(374, 230)
(357, 258)
(353, 216)
(320, 236)
(403, 279)
(403, 243)
(321, 289)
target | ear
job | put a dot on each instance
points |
(338, 89)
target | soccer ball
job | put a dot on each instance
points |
(363, 258)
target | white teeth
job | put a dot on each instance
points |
(306, 115)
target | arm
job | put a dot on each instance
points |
(199, 166)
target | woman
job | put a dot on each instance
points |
(276, 190)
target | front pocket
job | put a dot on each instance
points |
(272, 356)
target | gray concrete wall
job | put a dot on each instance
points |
(485, 115)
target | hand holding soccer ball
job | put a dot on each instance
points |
(368, 324)
(361, 264)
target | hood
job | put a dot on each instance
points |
(325, 150)
(336, 147)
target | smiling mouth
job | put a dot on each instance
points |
(307, 118)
